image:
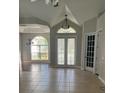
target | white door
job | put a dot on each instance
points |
(66, 51)
(71, 51)
(90, 52)
(60, 51)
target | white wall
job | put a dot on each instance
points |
(97, 24)
(25, 50)
(88, 27)
(100, 62)
(20, 53)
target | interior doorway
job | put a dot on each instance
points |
(66, 47)
(90, 51)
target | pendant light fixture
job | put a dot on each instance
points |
(65, 24)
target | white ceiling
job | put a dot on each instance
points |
(78, 10)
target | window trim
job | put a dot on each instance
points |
(66, 31)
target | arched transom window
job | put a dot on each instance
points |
(39, 48)
(70, 30)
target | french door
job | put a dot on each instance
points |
(66, 51)
(90, 52)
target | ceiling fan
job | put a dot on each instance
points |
(55, 3)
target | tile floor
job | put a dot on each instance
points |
(40, 78)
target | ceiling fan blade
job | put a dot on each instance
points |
(33, 0)
(48, 1)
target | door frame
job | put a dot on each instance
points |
(65, 37)
(85, 50)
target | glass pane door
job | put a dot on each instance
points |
(61, 51)
(71, 51)
(90, 52)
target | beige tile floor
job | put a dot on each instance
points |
(40, 78)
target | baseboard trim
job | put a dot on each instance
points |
(78, 67)
(58, 66)
(46, 62)
(82, 68)
(26, 61)
(101, 80)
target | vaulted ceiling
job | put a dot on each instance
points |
(78, 10)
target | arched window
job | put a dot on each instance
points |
(70, 30)
(39, 48)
